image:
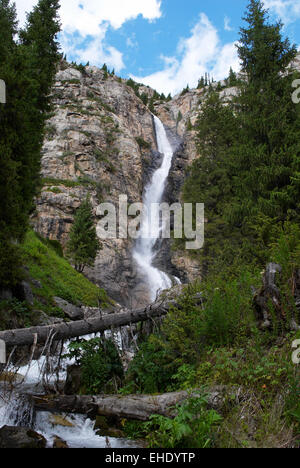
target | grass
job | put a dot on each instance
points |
(64, 182)
(57, 276)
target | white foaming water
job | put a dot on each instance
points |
(81, 435)
(16, 409)
(144, 252)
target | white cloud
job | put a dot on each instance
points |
(287, 10)
(94, 50)
(85, 18)
(132, 42)
(200, 53)
(227, 26)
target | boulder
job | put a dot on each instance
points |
(59, 443)
(71, 311)
(45, 319)
(21, 437)
(24, 292)
(58, 420)
(73, 380)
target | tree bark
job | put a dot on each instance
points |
(138, 407)
(61, 331)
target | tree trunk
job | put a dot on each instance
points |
(138, 407)
(62, 331)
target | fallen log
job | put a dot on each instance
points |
(62, 331)
(137, 407)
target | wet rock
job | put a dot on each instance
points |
(36, 284)
(73, 380)
(24, 292)
(21, 437)
(11, 378)
(58, 420)
(71, 311)
(59, 443)
(44, 319)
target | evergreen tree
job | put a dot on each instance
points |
(201, 83)
(210, 180)
(83, 244)
(248, 173)
(27, 67)
(144, 98)
(267, 155)
(232, 79)
(40, 38)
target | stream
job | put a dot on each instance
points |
(15, 407)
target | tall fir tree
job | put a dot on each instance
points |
(248, 174)
(22, 121)
(40, 38)
(83, 244)
(267, 153)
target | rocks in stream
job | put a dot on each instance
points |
(73, 380)
(59, 443)
(20, 438)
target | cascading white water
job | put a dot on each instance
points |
(17, 410)
(144, 252)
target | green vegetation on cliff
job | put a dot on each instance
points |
(57, 276)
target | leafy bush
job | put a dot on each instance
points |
(151, 369)
(142, 143)
(192, 427)
(100, 364)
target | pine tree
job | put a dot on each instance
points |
(83, 244)
(11, 219)
(201, 83)
(268, 151)
(210, 179)
(28, 80)
(40, 38)
(232, 79)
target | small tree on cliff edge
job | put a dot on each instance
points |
(83, 244)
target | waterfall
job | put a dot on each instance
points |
(16, 409)
(144, 252)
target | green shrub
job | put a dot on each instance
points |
(100, 364)
(193, 426)
(142, 143)
(151, 369)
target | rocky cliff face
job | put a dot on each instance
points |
(100, 140)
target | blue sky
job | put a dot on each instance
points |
(164, 43)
